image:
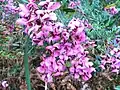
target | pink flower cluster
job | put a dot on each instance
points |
(5, 84)
(65, 42)
(113, 59)
(60, 54)
(10, 7)
(67, 45)
(38, 23)
(2, 0)
(73, 4)
(111, 10)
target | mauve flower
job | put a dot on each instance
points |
(57, 74)
(113, 60)
(11, 28)
(47, 28)
(5, 84)
(49, 66)
(43, 77)
(32, 6)
(10, 8)
(118, 54)
(49, 78)
(54, 39)
(2, 0)
(23, 8)
(73, 4)
(51, 48)
(84, 77)
(63, 44)
(72, 69)
(82, 67)
(115, 71)
(52, 16)
(54, 6)
(31, 0)
(74, 23)
(111, 10)
(76, 75)
(77, 39)
(50, 5)
(37, 41)
(65, 35)
(87, 24)
(22, 21)
(31, 16)
(41, 69)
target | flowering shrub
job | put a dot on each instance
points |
(112, 58)
(72, 46)
(64, 44)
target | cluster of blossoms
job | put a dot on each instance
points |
(67, 45)
(2, 0)
(65, 42)
(112, 59)
(73, 4)
(112, 56)
(39, 23)
(67, 49)
(111, 10)
(10, 7)
(8, 11)
(5, 84)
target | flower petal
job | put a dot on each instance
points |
(55, 6)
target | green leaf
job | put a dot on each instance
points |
(15, 69)
(68, 64)
(69, 15)
(68, 10)
(26, 64)
(25, 1)
(64, 2)
(117, 87)
(96, 63)
(58, 0)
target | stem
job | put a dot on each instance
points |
(45, 85)
(26, 65)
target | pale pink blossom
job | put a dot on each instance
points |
(50, 5)
(73, 4)
(5, 84)
(112, 10)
